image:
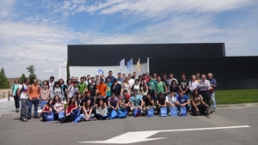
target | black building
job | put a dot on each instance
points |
(230, 72)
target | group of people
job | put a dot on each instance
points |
(94, 98)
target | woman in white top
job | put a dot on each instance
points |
(87, 110)
(143, 89)
(58, 105)
(57, 90)
(136, 87)
(126, 86)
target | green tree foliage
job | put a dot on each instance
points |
(67, 70)
(31, 70)
(4, 84)
(22, 78)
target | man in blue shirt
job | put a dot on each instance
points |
(213, 85)
(111, 77)
(182, 101)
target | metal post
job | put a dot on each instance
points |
(4, 94)
(9, 95)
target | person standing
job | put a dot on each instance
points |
(109, 88)
(102, 89)
(183, 85)
(44, 93)
(23, 93)
(126, 86)
(14, 90)
(134, 75)
(92, 88)
(120, 79)
(34, 93)
(204, 88)
(73, 90)
(116, 88)
(193, 84)
(213, 85)
(161, 86)
(111, 77)
(57, 90)
(83, 88)
(170, 79)
(198, 77)
(51, 84)
(152, 85)
(131, 80)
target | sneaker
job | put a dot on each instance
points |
(28, 118)
(24, 120)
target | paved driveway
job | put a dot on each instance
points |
(161, 130)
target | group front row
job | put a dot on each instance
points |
(88, 108)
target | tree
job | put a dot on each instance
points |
(32, 77)
(67, 70)
(22, 78)
(4, 84)
(31, 69)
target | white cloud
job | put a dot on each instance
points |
(5, 7)
(48, 71)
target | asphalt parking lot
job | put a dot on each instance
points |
(237, 126)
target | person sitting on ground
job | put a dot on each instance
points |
(47, 109)
(58, 106)
(148, 102)
(80, 101)
(182, 101)
(124, 100)
(101, 110)
(136, 101)
(113, 103)
(72, 105)
(171, 100)
(87, 110)
(161, 102)
(199, 106)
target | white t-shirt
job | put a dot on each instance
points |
(170, 99)
(193, 85)
(72, 91)
(131, 82)
(24, 92)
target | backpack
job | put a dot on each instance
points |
(121, 114)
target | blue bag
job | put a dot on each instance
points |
(150, 112)
(78, 119)
(113, 114)
(121, 114)
(136, 112)
(50, 117)
(42, 104)
(183, 111)
(61, 115)
(173, 111)
(163, 112)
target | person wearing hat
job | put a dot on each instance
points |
(73, 90)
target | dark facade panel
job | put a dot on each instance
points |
(111, 54)
(230, 72)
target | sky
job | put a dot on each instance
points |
(37, 32)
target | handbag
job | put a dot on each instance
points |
(150, 112)
(173, 111)
(163, 112)
(50, 117)
(61, 115)
(136, 112)
(113, 114)
(183, 111)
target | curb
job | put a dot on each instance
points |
(226, 106)
(237, 105)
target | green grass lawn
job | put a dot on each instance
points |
(236, 96)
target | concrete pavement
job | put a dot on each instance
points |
(36, 132)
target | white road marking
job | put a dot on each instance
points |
(141, 136)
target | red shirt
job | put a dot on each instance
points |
(70, 108)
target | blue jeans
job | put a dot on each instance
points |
(100, 117)
(213, 100)
(35, 102)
